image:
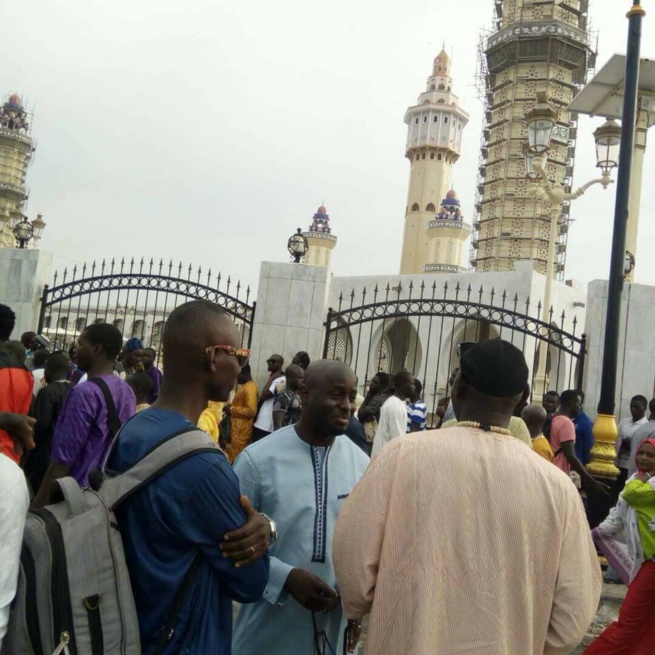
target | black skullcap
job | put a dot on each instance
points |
(495, 368)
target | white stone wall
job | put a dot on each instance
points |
(636, 360)
(23, 273)
(291, 310)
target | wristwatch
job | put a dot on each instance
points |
(273, 525)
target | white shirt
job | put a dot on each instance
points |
(265, 416)
(627, 428)
(393, 423)
(14, 503)
(39, 374)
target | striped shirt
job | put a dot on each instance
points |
(417, 413)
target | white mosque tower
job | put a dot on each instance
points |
(320, 239)
(434, 138)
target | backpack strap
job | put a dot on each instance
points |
(173, 450)
(113, 418)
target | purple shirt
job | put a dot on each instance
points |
(155, 375)
(82, 437)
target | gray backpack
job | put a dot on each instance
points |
(74, 595)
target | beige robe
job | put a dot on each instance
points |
(465, 542)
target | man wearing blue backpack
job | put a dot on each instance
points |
(186, 551)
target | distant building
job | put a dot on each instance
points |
(16, 148)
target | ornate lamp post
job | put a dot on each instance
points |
(605, 429)
(298, 246)
(541, 121)
(23, 229)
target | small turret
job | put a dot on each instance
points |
(320, 239)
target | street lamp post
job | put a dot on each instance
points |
(298, 246)
(541, 121)
(23, 229)
(605, 429)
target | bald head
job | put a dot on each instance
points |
(535, 418)
(194, 326)
(295, 375)
(190, 329)
(322, 370)
(328, 398)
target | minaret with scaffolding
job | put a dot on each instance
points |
(16, 148)
(535, 47)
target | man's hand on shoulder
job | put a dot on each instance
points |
(250, 542)
(311, 592)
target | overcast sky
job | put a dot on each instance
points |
(206, 131)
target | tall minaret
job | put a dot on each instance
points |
(537, 47)
(434, 138)
(320, 239)
(16, 149)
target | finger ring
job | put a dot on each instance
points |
(253, 550)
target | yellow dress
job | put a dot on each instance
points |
(243, 411)
(216, 408)
(208, 423)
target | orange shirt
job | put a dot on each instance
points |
(16, 390)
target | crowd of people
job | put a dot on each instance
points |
(314, 507)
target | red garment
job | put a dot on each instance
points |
(634, 632)
(16, 390)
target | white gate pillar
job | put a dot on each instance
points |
(291, 310)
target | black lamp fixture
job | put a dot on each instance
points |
(23, 229)
(298, 246)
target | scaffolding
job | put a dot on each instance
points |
(551, 42)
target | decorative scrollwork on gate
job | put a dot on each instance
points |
(439, 315)
(145, 293)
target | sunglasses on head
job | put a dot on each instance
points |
(242, 354)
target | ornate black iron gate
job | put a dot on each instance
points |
(419, 330)
(136, 298)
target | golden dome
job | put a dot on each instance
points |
(451, 195)
(442, 63)
(321, 210)
(15, 100)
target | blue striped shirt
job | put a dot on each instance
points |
(417, 413)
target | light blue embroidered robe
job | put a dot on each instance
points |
(302, 488)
